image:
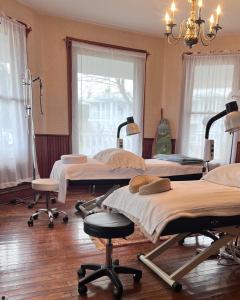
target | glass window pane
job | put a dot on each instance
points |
(107, 93)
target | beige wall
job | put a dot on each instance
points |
(47, 58)
(54, 70)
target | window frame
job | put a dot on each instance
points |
(68, 42)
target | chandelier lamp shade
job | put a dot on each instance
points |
(192, 30)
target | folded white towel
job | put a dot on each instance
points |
(74, 159)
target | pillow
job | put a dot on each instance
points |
(103, 155)
(158, 186)
(228, 175)
(147, 184)
(139, 180)
(118, 158)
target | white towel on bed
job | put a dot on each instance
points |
(186, 199)
(73, 159)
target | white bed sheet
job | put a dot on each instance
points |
(186, 199)
(94, 169)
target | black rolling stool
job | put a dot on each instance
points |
(108, 226)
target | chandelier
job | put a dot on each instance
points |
(192, 30)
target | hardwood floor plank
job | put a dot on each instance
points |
(39, 263)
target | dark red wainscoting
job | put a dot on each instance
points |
(49, 148)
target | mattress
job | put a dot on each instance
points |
(187, 199)
(95, 170)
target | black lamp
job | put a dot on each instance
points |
(132, 128)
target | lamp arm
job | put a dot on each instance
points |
(119, 129)
(212, 120)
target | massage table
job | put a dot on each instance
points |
(94, 172)
(190, 207)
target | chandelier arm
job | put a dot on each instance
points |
(199, 30)
(180, 35)
(171, 42)
(206, 38)
(205, 42)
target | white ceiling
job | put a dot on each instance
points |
(145, 16)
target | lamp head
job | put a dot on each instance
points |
(132, 127)
(231, 106)
(232, 121)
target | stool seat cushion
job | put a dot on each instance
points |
(108, 225)
(45, 184)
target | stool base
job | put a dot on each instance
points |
(111, 272)
(52, 214)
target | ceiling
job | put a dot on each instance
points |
(145, 16)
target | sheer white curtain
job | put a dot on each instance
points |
(209, 79)
(15, 158)
(107, 87)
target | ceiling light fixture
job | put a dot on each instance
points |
(192, 30)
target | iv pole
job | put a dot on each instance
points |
(28, 82)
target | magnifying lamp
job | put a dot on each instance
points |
(232, 124)
(131, 128)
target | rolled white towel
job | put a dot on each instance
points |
(74, 159)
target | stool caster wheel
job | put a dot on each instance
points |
(30, 205)
(65, 219)
(53, 200)
(139, 254)
(55, 214)
(30, 223)
(35, 217)
(50, 225)
(176, 286)
(221, 234)
(78, 204)
(82, 289)
(81, 272)
(137, 277)
(118, 293)
(181, 242)
(116, 262)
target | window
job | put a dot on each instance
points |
(15, 162)
(107, 87)
(209, 79)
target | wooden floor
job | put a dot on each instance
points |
(41, 263)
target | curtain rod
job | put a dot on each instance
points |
(27, 28)
(212, 52)
(71, 39)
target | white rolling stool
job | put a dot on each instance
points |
(46, 186)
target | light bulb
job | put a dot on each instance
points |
(173, 7)
(211, 23)
(167, 18)
(219, 10)
(212, 19)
